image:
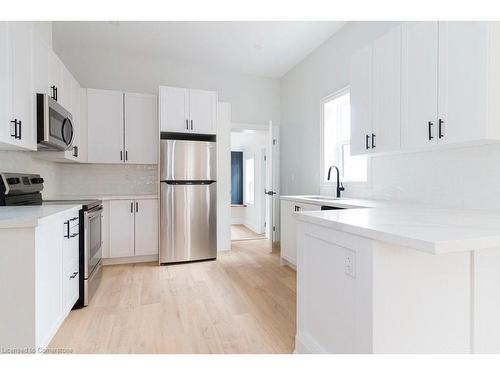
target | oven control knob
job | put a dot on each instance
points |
(13, 180)
(37, 180)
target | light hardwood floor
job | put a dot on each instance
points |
(244, 302)
(240, 232)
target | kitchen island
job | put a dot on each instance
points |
(398, 279)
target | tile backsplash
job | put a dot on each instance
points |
(112, 179)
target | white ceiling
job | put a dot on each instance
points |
(266, 49)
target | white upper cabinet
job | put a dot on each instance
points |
(64, 93)
(17, 130)
(463, 81)
(41, 63)
(361, 100)
(122, 127)
(141, 128)
(188, 110)
(202, 111)
(174, 109)
(419, 83)
(21, 83)
(386, 135)
(447, 83)
(105, 126)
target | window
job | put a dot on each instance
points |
(249, 181)
(236, 177)
(336, 142)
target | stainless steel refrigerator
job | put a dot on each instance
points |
(188, 204)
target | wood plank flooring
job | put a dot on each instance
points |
(240, 232)
(244, 302)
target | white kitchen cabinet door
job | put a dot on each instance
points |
(105, 126)
(141, 128)
(70, 267)
(41, 57)
(386, 100)
(55, 74)
(146, 227)
(21, 82)
(288, 228)
(75, 152)
(121, 228)
(174, 109)
(64, 92)
(202, 112)
(419, 84)
(6, 129)
(463, 80)
(361, 100)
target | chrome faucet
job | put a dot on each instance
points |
(340, 187)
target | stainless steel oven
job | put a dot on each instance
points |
(92, 271)
(54, 124)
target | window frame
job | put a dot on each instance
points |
(343, 91)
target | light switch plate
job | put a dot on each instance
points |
(350, 263)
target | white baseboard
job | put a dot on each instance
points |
(237, 221)
(127, 260)
(284, 262)
(304, 344)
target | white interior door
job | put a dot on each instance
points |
(174, 109)
(419, 84)
(105, 126)
(146, 227)
(121, 228)
(141, 128)
(272, 184)
(202, 111)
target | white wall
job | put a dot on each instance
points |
(251, 144)
(252, 99)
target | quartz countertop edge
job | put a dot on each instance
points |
(431, 231)
(31, 216)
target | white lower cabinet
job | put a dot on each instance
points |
(70, 260)
(133, 227)
(288, 239)
(36, 280)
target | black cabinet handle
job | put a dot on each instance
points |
(121, 155)
(67, 235)
(53, 88)
(367, 142)
(191, 124)
(373, 141)
(20, 123)
(126, 155)
(187, 124)
(75, 151)
(74, 275)
(131, 207)
(136, 206)
(430, 130)
(15, 128)
(440, 128)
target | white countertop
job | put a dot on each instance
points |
(107, 197)
(30, 216)
(427, 229)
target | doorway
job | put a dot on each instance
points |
(254, 182)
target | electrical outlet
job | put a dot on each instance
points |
(350, 263)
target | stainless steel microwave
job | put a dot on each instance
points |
(54, 124)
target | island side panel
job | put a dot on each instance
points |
(486, 308)
(334, 312)
(421, 302)
(17, 288)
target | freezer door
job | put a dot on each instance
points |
(187, 160)
(188, 226)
